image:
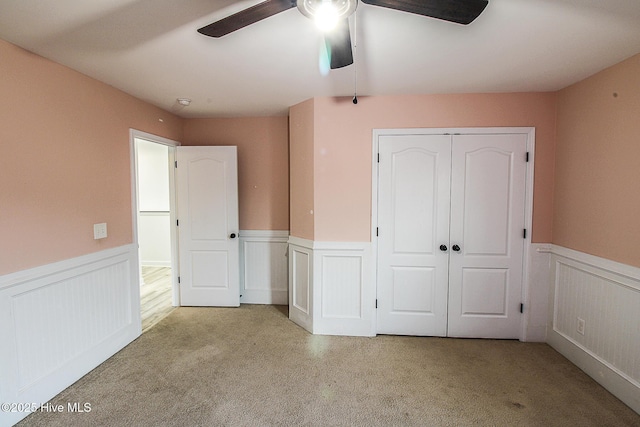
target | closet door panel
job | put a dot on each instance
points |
(413, 219)
(487, 224)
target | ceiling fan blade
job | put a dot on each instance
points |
(458, 11)
(246, 17)
(338, 42)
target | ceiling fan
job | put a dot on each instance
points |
(333, 14)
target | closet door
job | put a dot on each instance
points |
(413, 222)
(487, 225)
(451, 217)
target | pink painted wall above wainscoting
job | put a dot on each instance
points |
(343, 148)
(301, 134)
(597, 201)
(263, 164)
(65, 161)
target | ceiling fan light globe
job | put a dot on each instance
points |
(327, 13)
(326, 17)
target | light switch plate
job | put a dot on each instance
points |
(100, 230)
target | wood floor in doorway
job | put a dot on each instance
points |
(155, 295)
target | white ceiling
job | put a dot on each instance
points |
(150, 49)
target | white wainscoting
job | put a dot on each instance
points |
(536, 293)
(264, 271)
(331, 287)
(301, 282)
(59, 321)
(606, 296)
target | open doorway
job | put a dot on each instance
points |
(154, 231)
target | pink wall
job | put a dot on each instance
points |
(263, 164)
(343, 147)
(302, 169)
(65, 160)
(597, 201)
(65, 163)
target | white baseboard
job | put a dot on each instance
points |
(59, 321)
(606, 296)
(148, 263)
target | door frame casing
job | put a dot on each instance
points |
(529, 131)
(133, 134)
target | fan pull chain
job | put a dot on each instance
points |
(355, 57)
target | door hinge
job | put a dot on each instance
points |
(178, 279)
(377, 230)
(527, 157)
(521, 308)
(524, 233)
(177, 223)
(378, 157)
(376, 302)
(175, 164)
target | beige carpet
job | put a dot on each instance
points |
(251, 366)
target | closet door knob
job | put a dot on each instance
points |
(232, 235)
(443, 248)
(456, 248)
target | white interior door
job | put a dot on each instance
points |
(487, 225)
(450, 234)
(413, 218)
(207, 205)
